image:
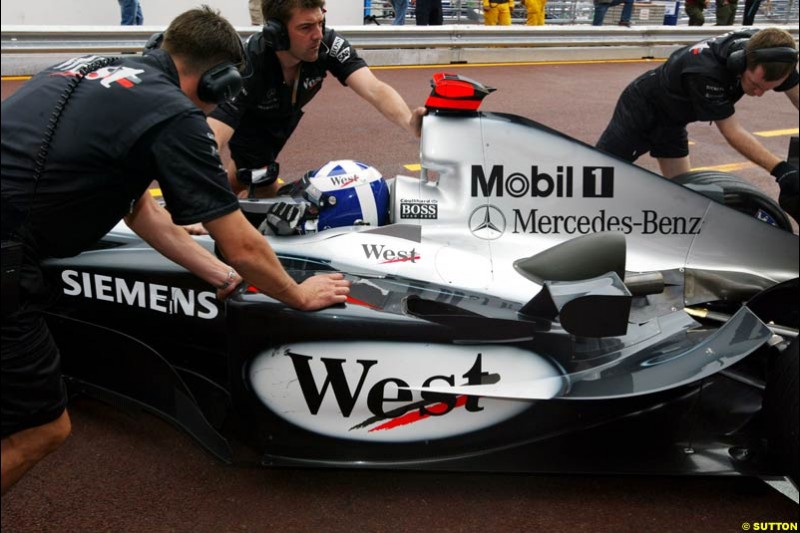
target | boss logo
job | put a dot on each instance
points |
(336, 46)
(419, 210)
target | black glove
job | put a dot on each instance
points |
(787, 178)
(255, 178)
(283, 218)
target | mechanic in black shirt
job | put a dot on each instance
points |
(126, 123)
(702, 83)
(287, 63)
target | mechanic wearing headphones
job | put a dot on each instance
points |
(702, 83)
(115, 125)
(287, 63)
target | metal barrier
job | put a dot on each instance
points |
(28, 49)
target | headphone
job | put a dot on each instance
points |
(276, 36)
(218, 84)
(737, 60)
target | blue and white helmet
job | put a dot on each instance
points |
(348, 193)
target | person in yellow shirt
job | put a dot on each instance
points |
(497, 12)
(535, 12)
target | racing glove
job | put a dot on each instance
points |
(258, 177)
(786, 176)
(283, 218)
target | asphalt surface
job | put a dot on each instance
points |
(127, 471)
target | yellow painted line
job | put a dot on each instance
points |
(16, 78)
(416, 167)
(777, 133)
(731, 167)
(520, 64)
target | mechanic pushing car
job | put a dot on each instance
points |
(81, 142)
(287, 63)
(702, 83)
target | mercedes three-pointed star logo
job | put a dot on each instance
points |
(487, 222)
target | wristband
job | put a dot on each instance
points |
(227, 283)
(781, 170)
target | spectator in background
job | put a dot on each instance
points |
(535, 9)
(131, 13)
(400, 8)
(497, 12)
(602, 6)
(256, 18)
(750, 11)
(429, 12)
(726, 12)
(696, 11)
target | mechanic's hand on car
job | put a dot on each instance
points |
(283, 218)
(323, 290)
(787, 178)
(229, 285)
(415, 123)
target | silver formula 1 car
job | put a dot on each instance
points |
(530, 305)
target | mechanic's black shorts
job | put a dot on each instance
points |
(257, 142)
(32, 392)
(638, 127)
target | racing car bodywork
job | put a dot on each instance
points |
(534, 305)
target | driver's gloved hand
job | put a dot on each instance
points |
(787, 178)
(283, 218)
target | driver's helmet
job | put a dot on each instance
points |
(348, 193)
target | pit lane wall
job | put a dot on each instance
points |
(28, 49)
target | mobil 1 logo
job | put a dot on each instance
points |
(564, 182)
(419, 209)
(598, 182)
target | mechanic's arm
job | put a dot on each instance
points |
(386, 100)
(792, 95)
(223, 134)
(248, 251)
(153, 224)
(746, 144)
